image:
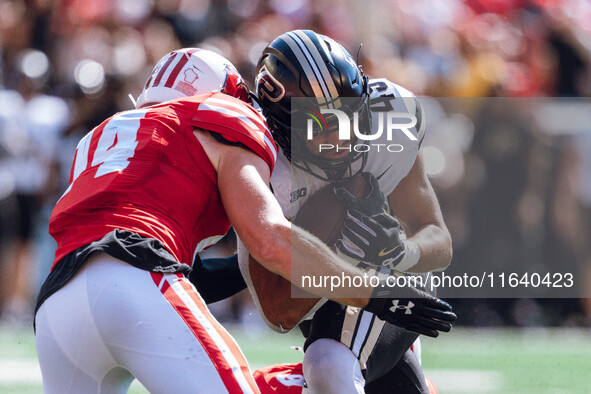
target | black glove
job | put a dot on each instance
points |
(374, 239)
(427, 316)
(370, 205)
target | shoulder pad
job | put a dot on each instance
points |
(382, 87)
(236, 121)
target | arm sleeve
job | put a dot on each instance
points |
(217, 279)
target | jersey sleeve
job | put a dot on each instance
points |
(238, 122)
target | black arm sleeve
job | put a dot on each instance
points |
(217, 279)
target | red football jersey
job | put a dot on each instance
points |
(144, 171)
(280, 379)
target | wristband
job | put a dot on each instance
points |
(411, 257)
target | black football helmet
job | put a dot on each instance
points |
(302, 63)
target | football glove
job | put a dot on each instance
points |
(370, 205)
(428, 316)
(373, 239)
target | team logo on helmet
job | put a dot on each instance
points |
(268, 86)
(186, 86)
(190, 76)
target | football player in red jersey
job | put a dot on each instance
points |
(149, 189)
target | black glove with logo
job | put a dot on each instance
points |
(374, 239)
(428, 316)
(370, 205)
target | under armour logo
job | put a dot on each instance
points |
(407, 308)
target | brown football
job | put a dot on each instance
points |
(323, 215)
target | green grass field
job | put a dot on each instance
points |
(464, 361)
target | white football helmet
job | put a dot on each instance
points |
(188, 72)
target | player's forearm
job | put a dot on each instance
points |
(301, 258)
(435, 246)
(311, 258)
(270, 238)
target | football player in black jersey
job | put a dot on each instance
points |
(399, 228)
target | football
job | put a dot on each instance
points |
(323, 215)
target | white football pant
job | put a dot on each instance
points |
(112, 322)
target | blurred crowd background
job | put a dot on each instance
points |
(513, 191)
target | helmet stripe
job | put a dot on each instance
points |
(320, 62)
(163, 69)
(179, 66)
(310, 68)
(176, 70)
